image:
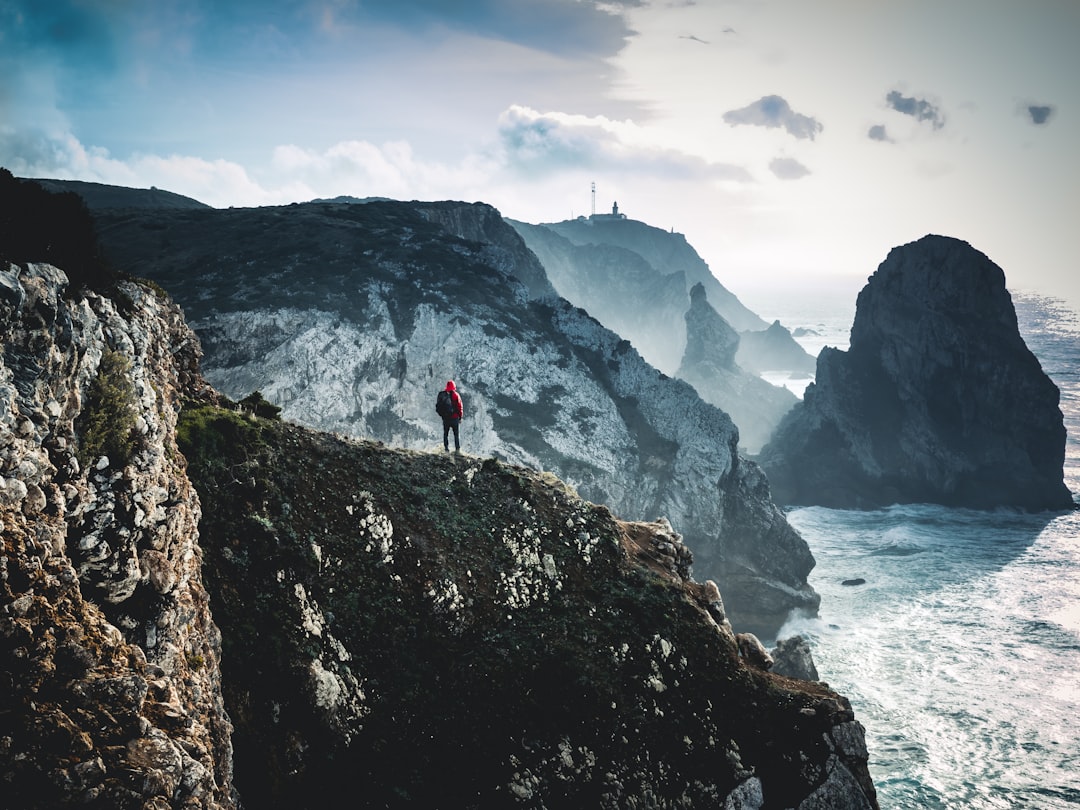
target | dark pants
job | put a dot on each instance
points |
(447, 426)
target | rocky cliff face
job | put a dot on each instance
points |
(937, 400)
(351, 317)
(652, 288)
(619, 288)
(410, 629)
(709, 364)
(426, 630)
(666, 252)
(109, 658)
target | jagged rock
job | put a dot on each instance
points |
(350, 317)
(937, 400)
(709, 365)
(442, 631)
(753, 651)
(84, 614)
(792, 657)
(773, 349)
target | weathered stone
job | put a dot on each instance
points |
(792, 657)
(75, 563)
(753, 651)
(352, 349)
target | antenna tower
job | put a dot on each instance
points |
(594, 199)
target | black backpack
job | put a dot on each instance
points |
(444, 405)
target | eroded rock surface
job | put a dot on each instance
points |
(457, 632)
(352, 316)
(109, 657)
(413, 629)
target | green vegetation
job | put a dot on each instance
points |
(108, 421)
(255, 403)
(218, 440)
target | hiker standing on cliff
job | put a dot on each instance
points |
(448, 406)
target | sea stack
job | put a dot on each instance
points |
(937, 400)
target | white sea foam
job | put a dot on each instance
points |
(961, 651)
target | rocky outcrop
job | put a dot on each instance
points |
(937, 400)
(351, 317)
(449, 631)
(109, 657)
(793, 659)
(709, 364)
(500, 246)
(774, 349)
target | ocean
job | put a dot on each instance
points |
(960, 653)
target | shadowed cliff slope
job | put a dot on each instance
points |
(427, 630)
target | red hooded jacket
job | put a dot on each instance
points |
(459, 409)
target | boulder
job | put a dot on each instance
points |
(792, 658)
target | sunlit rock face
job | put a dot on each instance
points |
(709, 364)
(937, 400)
(352, 317)
(108, 652)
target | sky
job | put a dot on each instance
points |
(793, 143)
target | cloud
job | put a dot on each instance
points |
(536, 143)
(878, 133)
(918, 108)
(788, 168)
(1039, 114)
(63, 157)
(774, 111)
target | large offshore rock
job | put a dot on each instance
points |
(773, 349)
(937, 400)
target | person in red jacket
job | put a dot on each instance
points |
(448, 406)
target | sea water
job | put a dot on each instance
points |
(960, 651)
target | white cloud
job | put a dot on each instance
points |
(775, 112)
(788, 168)
(533, 142)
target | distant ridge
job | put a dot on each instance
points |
(99, 196)
(348, 198)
